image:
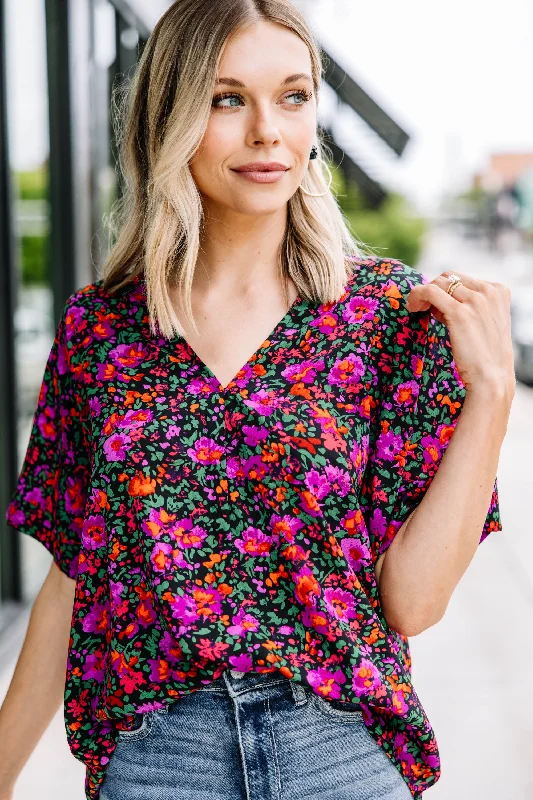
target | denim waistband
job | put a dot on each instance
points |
(244, 680)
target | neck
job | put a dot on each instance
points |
(239, 250)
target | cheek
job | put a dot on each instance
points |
(217, 148)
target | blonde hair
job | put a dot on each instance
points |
(160, 118)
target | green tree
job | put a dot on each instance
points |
(31, 187)
(393, 230)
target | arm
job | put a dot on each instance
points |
(37, 686)
(433, 549)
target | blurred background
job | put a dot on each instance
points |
(425, 109)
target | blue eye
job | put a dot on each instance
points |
(223, 97)
(302, 93)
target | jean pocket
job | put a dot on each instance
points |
(142, 727)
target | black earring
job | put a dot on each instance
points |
(314, 152)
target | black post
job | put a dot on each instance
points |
(62, 217)
(10, 574)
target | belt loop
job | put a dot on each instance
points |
(298, 692)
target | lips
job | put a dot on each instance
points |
(262, 166)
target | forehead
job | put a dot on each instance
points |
(264, 53)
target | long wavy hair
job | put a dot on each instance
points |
(160, 116)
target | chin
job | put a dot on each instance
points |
(257, 209)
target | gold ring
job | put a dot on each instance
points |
(454, 280)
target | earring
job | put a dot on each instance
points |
(313, 155)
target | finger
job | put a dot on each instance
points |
(466, 280)
(462, 292)
(422, 296)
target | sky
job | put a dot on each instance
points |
(456, 76)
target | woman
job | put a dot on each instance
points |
(240, 523)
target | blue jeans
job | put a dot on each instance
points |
(251, 736)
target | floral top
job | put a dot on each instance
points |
(213, 527)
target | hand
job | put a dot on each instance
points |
(478, 319)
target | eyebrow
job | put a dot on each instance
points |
(290, 79)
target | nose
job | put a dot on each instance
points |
(263, 128)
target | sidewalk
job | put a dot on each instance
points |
(52, 772)
(477, 700)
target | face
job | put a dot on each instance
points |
(264, 110)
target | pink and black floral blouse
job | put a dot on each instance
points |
(212, 527)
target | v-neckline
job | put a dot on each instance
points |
(297, 302)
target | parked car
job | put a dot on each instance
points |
(522, 333)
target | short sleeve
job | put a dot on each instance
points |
(50, 493)
(419, 401)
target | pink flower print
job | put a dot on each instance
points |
(356, 553)
(254, 542)
(116, 446)
(146, 613)
(129, 355)
(255, 468)
(116, 589)
(388, 445)
(103, 329)
(347, 372)
(171, 647)
(406, 393)
(340, 604)
(358, 309)
(95, 405)
(284, 528)
(366, 678)
(94, 533)
(307, 588)
(241, 663)
(96, 619)
(432, 449)
(304, 372)
(358, 457)
(208, 601)
(326, 322)
(74, 320)
(75, 495)
(206, 451)
(161, 556)
(244, 375)
(377, 524)
(254, 434)
(317, 620)
(186, 535)
(339, 480)
(317, 483)
(185, 612)
(159, 521)
(326, 683)
(265, 403)
(242, 625)
(47, 424)
(203, 385)
(398, 703)
(234, 468)
(94, 667)
(135, 418)
(353, 522)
